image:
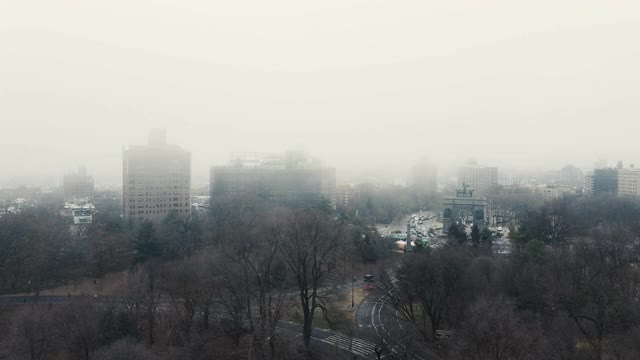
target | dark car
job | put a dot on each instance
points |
(369, 278)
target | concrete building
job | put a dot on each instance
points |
(605, 182)
(587, 187)
(156, 179)
(552, 192)
(424, 177)
(629, 182)
(617, 181)
(346, 196)
(289, 179)
(478, 178)
(78, 187)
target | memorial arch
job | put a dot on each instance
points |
(455, 207)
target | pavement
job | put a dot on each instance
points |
(329, 341)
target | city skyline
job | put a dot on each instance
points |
(384, 84)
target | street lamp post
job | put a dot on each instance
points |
(353, 284)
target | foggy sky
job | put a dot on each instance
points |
(363, 85)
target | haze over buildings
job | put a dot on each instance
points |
(78, 186)
(156, 179)
(480, 179)
(290, 178)
(424, 177)
(362, 85)
(618, 181)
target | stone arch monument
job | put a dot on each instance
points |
(464, 202)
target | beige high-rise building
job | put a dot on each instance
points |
(629, 182)
(479, 179)
(156, 179)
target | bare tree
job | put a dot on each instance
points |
(142, 297)
(598, 286)
(35, 333)
(309, 240)
(493, 330)
(78, 328)
(434, 282)
(183, 282)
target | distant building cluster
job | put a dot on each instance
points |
(552, 192)
(157, 181)
(290, 179)
(78, 187)
(617, 181)
(78, 191)
(14, 206)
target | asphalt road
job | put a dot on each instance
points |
(377, 323)
(400, 224)
(329, 342)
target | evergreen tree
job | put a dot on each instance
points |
(475, 235)
(146, 245)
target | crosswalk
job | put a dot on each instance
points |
(353, 345)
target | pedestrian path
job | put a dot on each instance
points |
(353, 345)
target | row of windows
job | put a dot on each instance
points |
(175, 193)
(143, 188)
(138, 176)
(156, 199)
(141, 206)
(142, 212)
(149, 212)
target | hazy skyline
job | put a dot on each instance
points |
(361, 85)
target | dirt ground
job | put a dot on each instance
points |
(107, 285)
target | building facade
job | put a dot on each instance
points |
(479, 179)
(617, 181)
(552, 192)
(346, 197)
(605, 182)
(156, 180)
(629, 182)
(288, 179)
(78, 187)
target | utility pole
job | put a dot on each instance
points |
(353, 284)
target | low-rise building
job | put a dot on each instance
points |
(78, 187)
(552, 192)
(289, 179)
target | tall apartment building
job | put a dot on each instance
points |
(156, 179)
(629, 182)
(424, 177)
(78, 187)
(346, 196)
(289, 179)
(618, 181)
(587, 187)
(605, 182)
(480, 179)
